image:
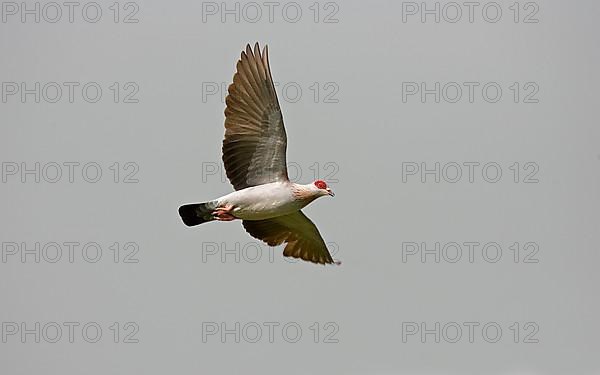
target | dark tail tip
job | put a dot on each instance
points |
(195, 213)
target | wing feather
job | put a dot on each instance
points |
(301, 235)
(254, 147)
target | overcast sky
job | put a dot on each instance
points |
(461, 142)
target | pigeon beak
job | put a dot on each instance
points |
(330, 192)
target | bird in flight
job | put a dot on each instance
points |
(254, 155)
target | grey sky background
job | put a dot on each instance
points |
(364, 136)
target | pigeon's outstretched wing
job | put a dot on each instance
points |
(302, 236)
(255, 141)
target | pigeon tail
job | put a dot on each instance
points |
(197, 213)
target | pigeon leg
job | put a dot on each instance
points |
(224, 213)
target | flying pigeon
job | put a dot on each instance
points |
(254, 149)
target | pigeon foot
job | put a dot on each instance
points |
(224, 213)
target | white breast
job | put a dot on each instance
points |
(262, 202)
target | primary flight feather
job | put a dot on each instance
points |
(254, 154)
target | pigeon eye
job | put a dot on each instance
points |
(320, 184)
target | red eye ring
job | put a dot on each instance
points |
(320, 184)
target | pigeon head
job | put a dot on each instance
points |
(322, 188)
